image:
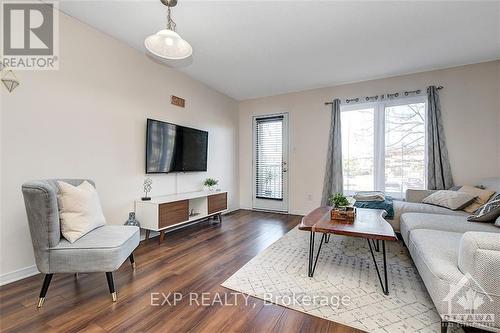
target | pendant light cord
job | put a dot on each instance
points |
(170, 23)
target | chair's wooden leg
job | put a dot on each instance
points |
(147, 234)
(162, 236)
(45, 287)
(111, 285)
(132, 260)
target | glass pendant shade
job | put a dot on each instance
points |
(10, 81)
(168, 44)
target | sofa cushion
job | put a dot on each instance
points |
(439, 251)
(453, 200)
(401, 207)
(435, 254)
(102, 250)
(487, 212)
(482, 197)
(459, 224)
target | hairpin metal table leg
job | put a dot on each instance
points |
(312, 261)
(385, 286)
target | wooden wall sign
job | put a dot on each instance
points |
(177, 101)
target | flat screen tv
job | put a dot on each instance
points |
(174, 148)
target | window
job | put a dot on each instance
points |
(269, 158)
(383, 146)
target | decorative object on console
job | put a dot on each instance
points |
(132, 220)
(148, 182)
(453, 200)
(167, 43)
(488, 212)
(211, 183)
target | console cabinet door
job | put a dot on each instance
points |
(217, 203)
(172, 213)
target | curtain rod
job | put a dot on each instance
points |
(370, 98)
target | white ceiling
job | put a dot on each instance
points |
(249, 49)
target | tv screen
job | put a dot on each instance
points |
(174, 148)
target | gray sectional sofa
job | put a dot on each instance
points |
(459, 261)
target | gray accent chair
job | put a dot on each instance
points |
(102, 250)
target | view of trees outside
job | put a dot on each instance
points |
(404, 151)
(404, 148)
(358, 149)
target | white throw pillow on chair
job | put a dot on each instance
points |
(79, 210)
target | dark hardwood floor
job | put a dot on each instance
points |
(196, 259)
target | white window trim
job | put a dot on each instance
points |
(379, 135)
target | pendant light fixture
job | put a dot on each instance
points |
(167, 43)
(8, 78)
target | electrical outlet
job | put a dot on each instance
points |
(309, 197)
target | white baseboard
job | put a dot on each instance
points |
(18, 275)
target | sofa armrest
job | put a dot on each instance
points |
(417, 195)
(479, 256)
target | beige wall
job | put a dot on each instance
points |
(471, 113)
(88, 119)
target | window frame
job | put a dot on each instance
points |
(379, 136)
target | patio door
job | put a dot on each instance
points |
(270, 162)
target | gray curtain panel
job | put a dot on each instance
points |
(439, 175)
(333, 182)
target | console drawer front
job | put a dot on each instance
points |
(173, 213)
(217, 203)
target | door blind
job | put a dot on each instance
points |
(269, 158)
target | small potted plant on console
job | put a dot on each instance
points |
(210, 183)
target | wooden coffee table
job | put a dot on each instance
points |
(369, 224)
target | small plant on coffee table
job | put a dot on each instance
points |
(338, 200)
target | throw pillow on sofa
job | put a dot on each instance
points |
(79, 210)
(482, 197)
(488, 212)
(453, 200)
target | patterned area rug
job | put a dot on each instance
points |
(345, 286)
